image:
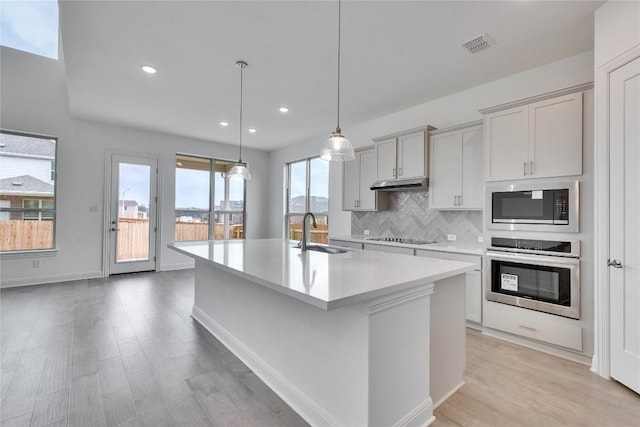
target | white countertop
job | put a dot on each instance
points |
(327, 281)
(463, 247)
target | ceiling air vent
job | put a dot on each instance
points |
(478, 43)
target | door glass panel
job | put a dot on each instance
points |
(297, 187)
(229, 203)
(134, 186)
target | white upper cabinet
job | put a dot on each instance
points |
(537, 140)
(357, 177)
(412, 159)
(386, 159)
(456, 168)
(402, 156)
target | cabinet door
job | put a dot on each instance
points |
(473, 296)
(445, 170)
(386, 151)
(350, 183)
(506, 136)
(471, 169)
(555, 136)
(412, 155)
(367, 177)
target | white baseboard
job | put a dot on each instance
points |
(294, 397)
(448, 395)
(41, 280)
(422, 415)
(554, 351)
(177, 266)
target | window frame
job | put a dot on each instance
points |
(307, 208)
(40, 210)
(212, 212)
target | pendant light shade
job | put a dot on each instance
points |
(239, 170)
(337, 148)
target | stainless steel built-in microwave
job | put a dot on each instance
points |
(534, 207)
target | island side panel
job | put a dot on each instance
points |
(448, 338)
(316, 360)
(399, 359)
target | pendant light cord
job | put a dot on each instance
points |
(241, 72)
(339, 26)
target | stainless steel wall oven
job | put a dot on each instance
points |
(542, 275)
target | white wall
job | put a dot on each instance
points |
(455, 109)
(616, 29)
(34, 99)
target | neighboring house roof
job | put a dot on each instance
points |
(129, 203)
(25, 184)
(22, 145)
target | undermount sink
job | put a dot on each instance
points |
(326, 249)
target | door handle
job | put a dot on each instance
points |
(115, 229)
(615, 263)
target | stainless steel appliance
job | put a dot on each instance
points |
(406, 240)
(542, 275)
(534, 207)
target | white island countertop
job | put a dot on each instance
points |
(327, 281)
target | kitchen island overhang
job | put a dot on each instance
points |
(344, 339)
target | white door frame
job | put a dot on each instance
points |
(106, 230)
(601, 362)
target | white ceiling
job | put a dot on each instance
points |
(395, 54)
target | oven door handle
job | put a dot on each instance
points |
(534, 259)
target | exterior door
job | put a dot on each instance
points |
(132, 225)
(624, 252)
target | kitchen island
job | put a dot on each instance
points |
(358, 338)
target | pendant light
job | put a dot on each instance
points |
(337, 148)
(239, 170)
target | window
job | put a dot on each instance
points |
(200, 183)
(27, 192)
(308, 191)
(30, 26)
(37, 209)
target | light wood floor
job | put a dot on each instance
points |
(125, 351)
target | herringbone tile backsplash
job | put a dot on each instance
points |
(409, 216)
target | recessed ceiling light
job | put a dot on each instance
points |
(283, 109)
(252, 130)
(224, 123)
(149, 69)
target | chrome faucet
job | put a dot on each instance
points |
(303, 242)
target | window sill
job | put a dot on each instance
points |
(40, 253)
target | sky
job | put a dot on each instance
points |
(31, 26)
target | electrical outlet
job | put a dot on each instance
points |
(36, 263)
(451, 237)
(480, 239)
(366, 232)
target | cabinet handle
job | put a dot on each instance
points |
(455, 200)
(399, 171)
(529, 328)
(459, 200)
(524, 168)
(530, 168)
(393, 172)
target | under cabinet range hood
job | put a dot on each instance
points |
(401, 184)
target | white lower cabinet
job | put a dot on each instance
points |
(473, 281)
(532, 324)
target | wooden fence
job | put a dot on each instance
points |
(18, 235)
(133, 239)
